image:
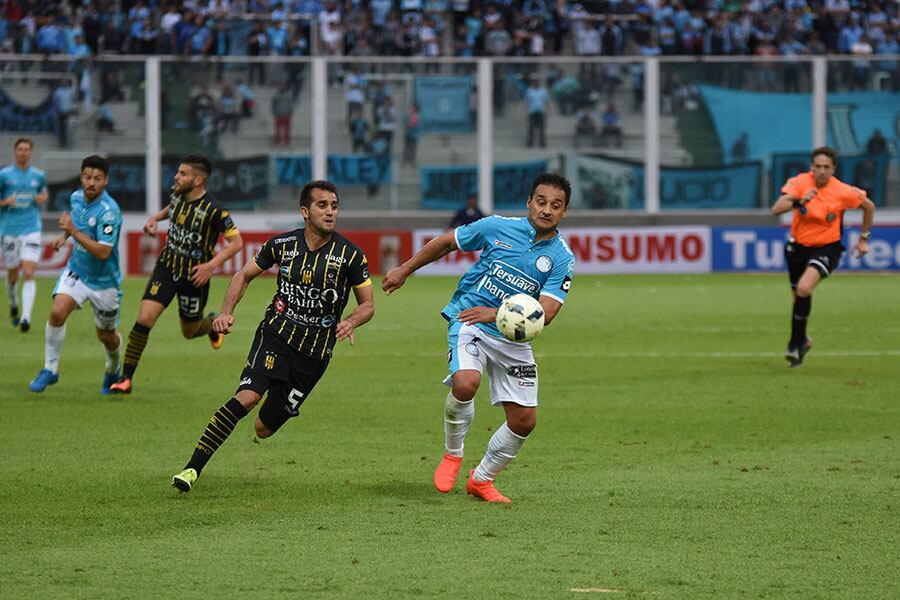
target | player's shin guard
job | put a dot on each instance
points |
(205, 327)
(457, 418)
(137, 341)
(53, 341)
(220, 427)
(501, 450)
(114, 357)
(28, 293)
(799, 319)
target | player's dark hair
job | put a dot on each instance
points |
(553, 180)
(23, 140)
(199, 162)
(826, 151)
(95, 161)
(318, 184)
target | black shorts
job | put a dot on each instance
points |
(824, 259)
(288, 376)
(162, 287)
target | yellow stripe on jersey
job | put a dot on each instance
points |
(365, 283)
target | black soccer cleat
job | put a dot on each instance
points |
(14, 315)
(795, 356)
(24, 326)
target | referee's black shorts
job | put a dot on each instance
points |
(824, 259)
(288, 376)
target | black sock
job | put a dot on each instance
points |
(220, 427)
(802, 308)
(137, 341)
(205, 327)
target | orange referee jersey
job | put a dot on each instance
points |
(821, 224)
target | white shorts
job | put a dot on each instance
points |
(17, 248)
(105, 302)
(509, 365)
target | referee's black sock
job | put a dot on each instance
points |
(137, 341)
(220, 427)
(802, 307)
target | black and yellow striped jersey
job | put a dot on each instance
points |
(313, 288)
(194, 228)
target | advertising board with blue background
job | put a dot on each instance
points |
(762, 249)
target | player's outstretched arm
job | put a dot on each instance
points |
(233, 295)
(363, 313)
(436, 249)
(150, 225)
(201, 273)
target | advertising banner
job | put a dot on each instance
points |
(444, 104)
(384, 249)
(618, 184)
(343, 169)
(865, 172)
(607, 250)
(762, 249)
(236, 183)
(447, 187)
(25, 119)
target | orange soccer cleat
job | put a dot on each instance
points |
(123, 387)
(216, 340)
(484, 490)
(445, 474)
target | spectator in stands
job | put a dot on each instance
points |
(229, 110)
(411, 136)
(877, 144)
(536, 100)
(105, 120)
(467, 214)
(248, 98)
(282, 111)
(278, 34)
(861, 48)
(110, 88)
(50, 38)
(257, 45)
(612, 127)
(92, 25)
(167, 29)
(298, 45)
(184, 31)
(359, 131)
(386, 121)
(201, 38)
(586, 120)
(354, 96)
(144, 37)
(63, 101)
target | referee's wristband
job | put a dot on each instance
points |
(796, 204)
(865, 235)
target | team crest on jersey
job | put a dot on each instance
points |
(154, 288)
(270, 361)
(544, 264)
(306, 276)
(181, 218)
(92, 222)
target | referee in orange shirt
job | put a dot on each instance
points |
(818, 200)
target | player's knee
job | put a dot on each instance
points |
(465, 388)
(106, 336)
(522, 425)
(57, 317)
(261, 430)
(804, 290)
(189, 329)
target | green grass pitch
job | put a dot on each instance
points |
(675, 457)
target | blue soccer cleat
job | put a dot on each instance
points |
(44, 378)
(14, 315)
(108, 380)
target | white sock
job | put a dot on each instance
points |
(114, 357)
(457, 418)
(28, 293)
(11, 292)
(53, 341)
(503, 447)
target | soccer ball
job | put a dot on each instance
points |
(520, 318)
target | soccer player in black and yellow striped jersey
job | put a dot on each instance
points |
(185, 264)
(317, 269)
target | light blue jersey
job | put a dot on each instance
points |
(511, 262)
(101, 220)
(23, 217)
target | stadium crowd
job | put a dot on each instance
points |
(432, 28)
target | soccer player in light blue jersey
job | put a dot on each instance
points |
(22, 188)
(91, 275)
(518, 256)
